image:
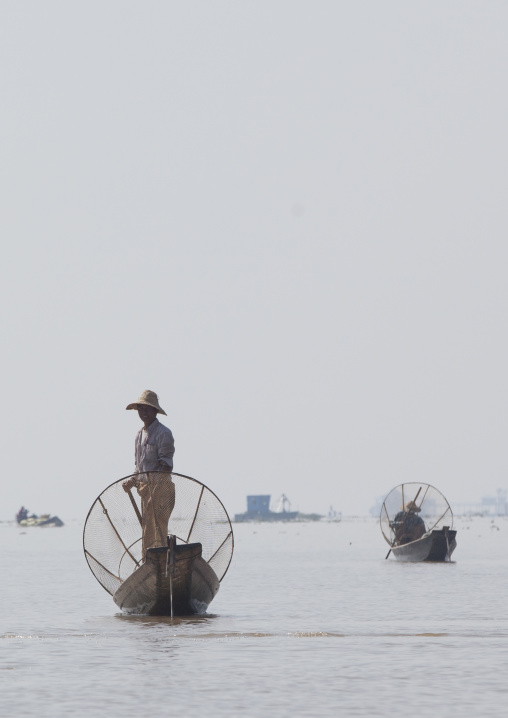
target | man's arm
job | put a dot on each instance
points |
(129, 484)
(165, 451)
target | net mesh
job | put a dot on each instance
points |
(121, 525)
(411, 510)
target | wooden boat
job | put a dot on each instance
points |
(163, 550)
(436, 545)
(417, 522)
(179, 583)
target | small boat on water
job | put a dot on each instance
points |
(42, 520)
(417, 522)
(23, 519)
(174, 579)
(161, 549)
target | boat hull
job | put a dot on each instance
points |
(433, 546)
(41, 521)
(191, 582)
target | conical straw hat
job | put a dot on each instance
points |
(412, 506)
(149, 398)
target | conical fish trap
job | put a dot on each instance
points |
(120, 526)
(410, 503)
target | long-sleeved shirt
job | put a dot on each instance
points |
(152, 446)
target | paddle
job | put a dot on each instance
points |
(447, 543)
(170, 563)
(134, 504)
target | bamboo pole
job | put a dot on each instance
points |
(136, 509)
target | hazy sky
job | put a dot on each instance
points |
(286, 218)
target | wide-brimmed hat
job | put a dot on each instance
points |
(411, 506)
(149, 398)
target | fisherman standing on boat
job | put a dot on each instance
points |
(153, 452)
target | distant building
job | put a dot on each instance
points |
(258, 505)
(488, 506)
(258, 509)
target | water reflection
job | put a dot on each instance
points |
(157, 621)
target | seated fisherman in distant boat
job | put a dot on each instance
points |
(22, 514)
(407, 525)
(154, 449)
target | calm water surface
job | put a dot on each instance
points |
(310, 621)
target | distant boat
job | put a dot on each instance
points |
(258, 509)
(25, 520)
(417, 523)
(333, 515)
(161, 550)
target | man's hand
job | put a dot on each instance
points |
(127, 485)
